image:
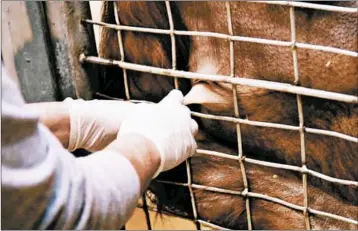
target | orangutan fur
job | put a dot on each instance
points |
(230, 211)
(154, 50)
(317, 69)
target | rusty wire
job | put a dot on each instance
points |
(236, 80)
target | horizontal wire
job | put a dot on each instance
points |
(282, 87)
(207, 223)
(281, 166)
(312, 6)
(203, 187)
(255, 123)
(301, 208)
(331, 179)
(218, 154)
(264, 197)
(331, 133)
(224, 36)
(274, 86)
(273, 165)
(211, 225)
(244, 121)
(312, 211)
(265, 163)
(275, 125)
(333, 216)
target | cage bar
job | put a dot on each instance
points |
(172, 40)
(192, 198)
(264, 197)
(126, 89)
(274, 86)
(236, 80)
(121, 50)
(176, 85)
(237, 115)
(227, 37)
(275, 125)
(146, 211)
(301, 119)
(281, 166)
(255, 123)
(211, 225)
(312, 6)
(203, 187)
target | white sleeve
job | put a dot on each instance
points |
(46, 187)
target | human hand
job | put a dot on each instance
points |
(168, 125)
(95, 123)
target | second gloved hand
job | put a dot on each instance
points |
(168, 125)
(95, 123)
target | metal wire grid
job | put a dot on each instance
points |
(234, 80)
(237, 115)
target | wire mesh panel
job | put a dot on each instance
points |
(234, 81)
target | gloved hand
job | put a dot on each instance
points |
(168, 125)
(95, 123)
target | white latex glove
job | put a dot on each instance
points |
(95, 123)
(168, 125)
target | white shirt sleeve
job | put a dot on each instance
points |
(46, 187)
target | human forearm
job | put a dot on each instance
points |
(55, 116)
(142, 154)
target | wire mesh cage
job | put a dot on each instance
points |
(295, 89)
(234, 80)
(81, 53)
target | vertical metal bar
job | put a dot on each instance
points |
(172, 38)
(121, 50)
(176, 84)
(301, 119)
(237, 115)
(126, 89)
(146, 211)
(192, 198)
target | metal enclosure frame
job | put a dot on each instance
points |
(65, 42)
(234, 81)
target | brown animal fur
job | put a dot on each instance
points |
(321, 70)
(154, 50)
(230, 211)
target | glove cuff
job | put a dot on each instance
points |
(123, 131)
(161, 154)
(75, 124)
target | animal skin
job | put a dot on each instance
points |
(317, 69)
